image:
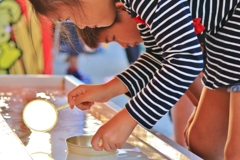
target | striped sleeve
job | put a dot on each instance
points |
(170, 24)
(142, 71)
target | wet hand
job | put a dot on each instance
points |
(113, 134)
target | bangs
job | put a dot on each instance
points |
(90, 36)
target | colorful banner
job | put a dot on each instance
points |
(25, 39)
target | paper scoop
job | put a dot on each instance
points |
(41, 115)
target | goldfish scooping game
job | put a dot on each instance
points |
(69, 135)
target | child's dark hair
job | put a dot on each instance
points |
(90, 36)
(44, 7)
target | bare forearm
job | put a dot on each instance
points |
(115, 87)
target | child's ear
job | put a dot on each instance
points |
(120, 6)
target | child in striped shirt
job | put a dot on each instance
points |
(169, 27)
(124, 24)
(154, 87)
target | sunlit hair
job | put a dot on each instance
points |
(90, 36)
(45, 7)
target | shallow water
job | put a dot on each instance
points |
(52, 145)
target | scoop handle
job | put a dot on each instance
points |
(62, 107)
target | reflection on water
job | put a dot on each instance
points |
(11, 105)
(51, 145)
(40, 144)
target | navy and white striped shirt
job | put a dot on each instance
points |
(222, 21)
(173, 58)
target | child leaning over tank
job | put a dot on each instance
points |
(169, 26)
(125, 29)
(154, 88)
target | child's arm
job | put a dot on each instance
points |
(84, 96)
(170, 23)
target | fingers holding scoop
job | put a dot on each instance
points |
(76, 98)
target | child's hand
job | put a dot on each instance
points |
(113, 134)
(84, 96)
